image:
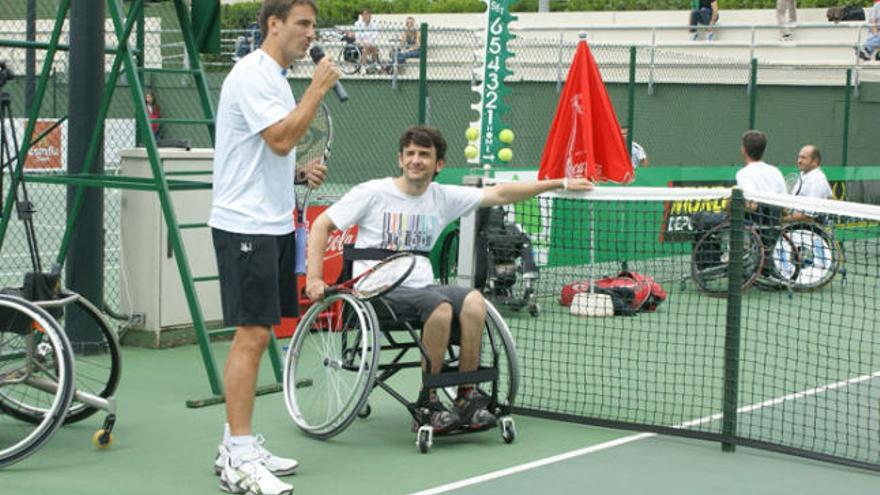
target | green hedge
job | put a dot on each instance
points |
(237, 16)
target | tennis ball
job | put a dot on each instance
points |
(505, 154)
(470, 151)
(472, 133)
(506, 136)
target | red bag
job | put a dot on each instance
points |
(630, 292)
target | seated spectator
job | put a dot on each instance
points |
(366, 35)
(637, 153)
(410, 42)
(705, 12)
(152, 111)
(872, 44)
(248, 42)
(786, 16)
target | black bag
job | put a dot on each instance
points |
(845, 13)
(36, 287)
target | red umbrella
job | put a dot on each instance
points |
(585, 139)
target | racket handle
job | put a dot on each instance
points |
(300, 250)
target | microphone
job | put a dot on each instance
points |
(317, 53)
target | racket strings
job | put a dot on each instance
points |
(387, 274)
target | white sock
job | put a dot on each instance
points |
(241, 445)
(226, 434)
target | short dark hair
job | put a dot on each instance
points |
(423, 135)
(280, 9)
(754, 142)
(815, 154)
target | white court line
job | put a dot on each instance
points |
(641, 436)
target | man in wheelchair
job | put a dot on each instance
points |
(408, 213)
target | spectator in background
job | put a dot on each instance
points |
(872, 44)
(249, 41)
(410, 42)
(786, 15)
(366, 35)
(705, 12)
(152, 111)
(637, 153)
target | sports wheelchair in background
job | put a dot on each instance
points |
(505, 266)
(796, 256)
(333, 364)
(59, 364)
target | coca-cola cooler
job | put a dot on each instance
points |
(332, 268)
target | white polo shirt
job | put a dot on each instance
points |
(813, 184)
(761, 177)
(253, 186)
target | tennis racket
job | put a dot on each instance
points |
(314, 145)
(381, 278)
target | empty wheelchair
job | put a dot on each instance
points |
(333, 363)
(59, 364)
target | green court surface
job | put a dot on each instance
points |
(163, 447)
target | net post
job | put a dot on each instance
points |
(423, 74)
(753, 92)
(846, 109)
(732, 327)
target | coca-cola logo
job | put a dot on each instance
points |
(337, 240)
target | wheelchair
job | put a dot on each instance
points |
(506, 271)
(333, 364)
(799, 256)
(40, 386)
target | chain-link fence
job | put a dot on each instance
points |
(689, 106)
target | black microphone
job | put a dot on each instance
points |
(317, 53)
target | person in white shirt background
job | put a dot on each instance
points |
(811, 182)
(637, 153)
(366, 35)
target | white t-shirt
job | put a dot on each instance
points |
(253, 186)
(637, 154)
(761, 177)
(365, 33)
(387, 218)
(813, 184)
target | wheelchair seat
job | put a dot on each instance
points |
(336, 348)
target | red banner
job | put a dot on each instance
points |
(45, 154)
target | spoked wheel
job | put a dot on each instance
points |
(349, 61)
(821, 256)
(331, 364)
(449, 258)
(782, 265)
(711, 258)
(36, 378)
(499, 349)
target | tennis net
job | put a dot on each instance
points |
(790, 361)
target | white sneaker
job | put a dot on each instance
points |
(250, 476)
(279, 466)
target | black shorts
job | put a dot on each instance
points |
(257, 280)
(418, 304)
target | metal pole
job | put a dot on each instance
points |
(30, 59)
(753, 93)
(85, 267)
(141, 56)
(847, 97)
(423, 75)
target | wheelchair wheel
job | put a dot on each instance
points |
(711, 256)
(821, 256)
(498, 349)
(36, 378)
(449, 258)
(349, 61)
(782, 265)
(331, 364)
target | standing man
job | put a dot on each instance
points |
(258, 126)
(811, 182)
(872, 44)
(705, 12)
(786, 16)
(637, 153)
(408, 213)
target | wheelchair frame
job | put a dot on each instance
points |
(335, 350)
(91, 384)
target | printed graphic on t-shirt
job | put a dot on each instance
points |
(408, 232)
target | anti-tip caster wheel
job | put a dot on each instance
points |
(508, 429)
(425, 438)
(102, 439)
(365, 412)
